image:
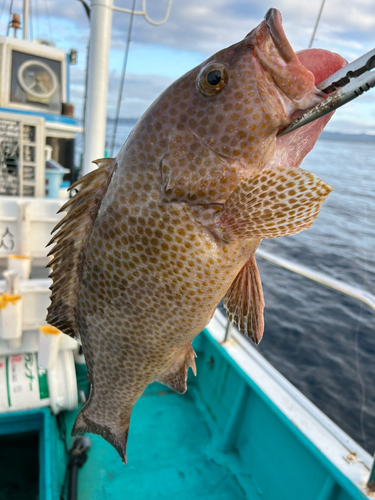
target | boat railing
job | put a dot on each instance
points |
(321, 278)
(338, 285)
(334, 284)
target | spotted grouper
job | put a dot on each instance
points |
(157, 236)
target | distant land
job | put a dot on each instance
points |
(124, 121)
(336, 136)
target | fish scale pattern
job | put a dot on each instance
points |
(153, 278)
(274, 203)
(150, 246)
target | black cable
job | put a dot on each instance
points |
(123, 77)
(87, 8)
(88, 13)
(61, 425)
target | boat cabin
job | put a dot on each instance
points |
(34, 113)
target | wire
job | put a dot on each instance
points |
(88, 13)
(31, 22)
(316, 24)
(2, 10)
(360, 379)
(123, 77)
(49, 21)
(37, 18)
(10, 13)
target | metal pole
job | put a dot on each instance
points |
(228, 330)
(25, 19)
(97, 84)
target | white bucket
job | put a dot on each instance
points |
(24, 385)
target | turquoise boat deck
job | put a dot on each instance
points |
(223, 439)
(168, 456)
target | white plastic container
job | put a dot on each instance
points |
(49, 344)
(24, 385)
(21, 264)
(11, 310)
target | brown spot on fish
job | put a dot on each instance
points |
(155, 238)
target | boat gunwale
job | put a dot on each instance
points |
(326, 440)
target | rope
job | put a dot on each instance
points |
(122, 77)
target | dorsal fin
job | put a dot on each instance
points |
(73, 233)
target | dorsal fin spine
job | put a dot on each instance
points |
(71, 236)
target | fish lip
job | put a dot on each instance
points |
(273, 21)
(271, 28)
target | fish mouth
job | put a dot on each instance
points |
(295, 75)
(273, 20)
(270, 35)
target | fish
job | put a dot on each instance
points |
(155, 238)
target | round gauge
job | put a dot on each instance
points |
(37, 79)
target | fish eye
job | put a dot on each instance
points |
(212, 79)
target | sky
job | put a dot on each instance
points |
(195, 30)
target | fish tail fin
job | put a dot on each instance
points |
(115, 431)
(271, 203)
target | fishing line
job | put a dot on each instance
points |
(123, 77)
(2, 10)
(356, 347)
(31, 21)
(360, 379)
(316, 24)
(37, 18)
(49, 21)
(10, 13)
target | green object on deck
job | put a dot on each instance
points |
(223, 439)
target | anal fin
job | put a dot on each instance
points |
(177, 374)
(269, 204)
(244, 302)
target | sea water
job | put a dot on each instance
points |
(319, 339)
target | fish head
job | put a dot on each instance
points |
(234, 104)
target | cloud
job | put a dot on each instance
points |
(195, 30)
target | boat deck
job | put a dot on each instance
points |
(168, 456)
(223, 439)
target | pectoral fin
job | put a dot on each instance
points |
(177, 374)
(272, 203)
(244, 302)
